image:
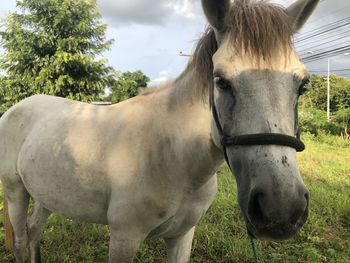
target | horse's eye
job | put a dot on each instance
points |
(222, 83)
(303, 87)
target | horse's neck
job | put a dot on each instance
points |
(188, 88)
(190, 106)
(186, 94)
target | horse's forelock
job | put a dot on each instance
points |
(257, 28)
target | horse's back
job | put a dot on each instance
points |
(22, 116)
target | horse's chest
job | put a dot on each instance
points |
(190, 211)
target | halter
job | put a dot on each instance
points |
(251, 140)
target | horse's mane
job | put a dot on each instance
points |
(257, 28)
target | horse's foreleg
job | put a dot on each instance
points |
(179, 248)
(35, 223)
(18, 200)
(123, 246)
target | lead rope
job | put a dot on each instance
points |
(252, 244)
(251, 238)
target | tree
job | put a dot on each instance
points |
(340, 92)
(313, 117)
(52, 47)
(128, 85)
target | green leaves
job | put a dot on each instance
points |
(128, 85)
(340, 92)
(51, 47)
(313, 117)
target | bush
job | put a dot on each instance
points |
(316, 96)
(343, 118)
(313, 117)
(315, 121)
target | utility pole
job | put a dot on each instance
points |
(329, 91)
(328, 84)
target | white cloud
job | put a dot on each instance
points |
(134, 11)
(157, 81)
(164, 76)
(186, 8)
(147, 12)
(164, 73)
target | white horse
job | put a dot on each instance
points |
(146, 166)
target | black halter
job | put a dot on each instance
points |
(253, 139)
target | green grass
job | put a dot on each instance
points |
(221, 234)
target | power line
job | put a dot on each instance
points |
(325, 37)
(323, 30)
(334, 70)
(329, 14)
(327, 54)
(325, 49)
(331, 33)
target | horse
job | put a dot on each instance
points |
(146, 166)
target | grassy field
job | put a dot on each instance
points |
(221, 234)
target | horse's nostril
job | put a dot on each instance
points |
(295, 217)
(254, 209)
(306, 195)
(301, 211)
(306, 211)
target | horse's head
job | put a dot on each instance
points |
(258, 78)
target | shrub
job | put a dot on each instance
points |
(314, 121)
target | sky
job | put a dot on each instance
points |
(149, 34)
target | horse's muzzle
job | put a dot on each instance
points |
(271, 219)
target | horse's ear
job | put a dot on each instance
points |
(300, 11)
(215, 11)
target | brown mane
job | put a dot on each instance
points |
(257, 28)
